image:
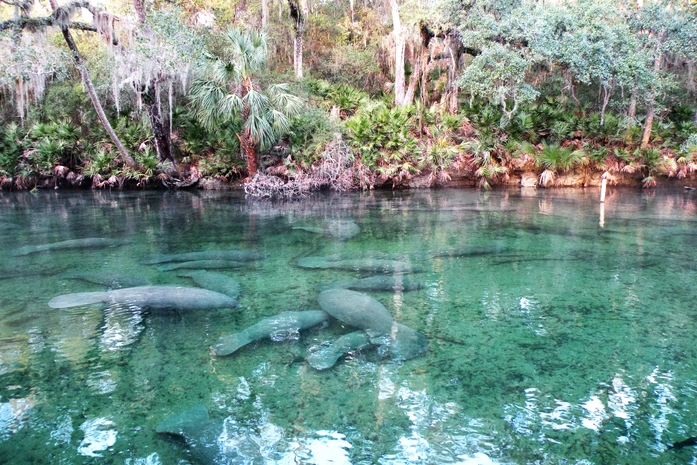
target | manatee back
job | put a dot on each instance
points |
(356, 309)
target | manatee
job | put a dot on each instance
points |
(339, 229)
(283, 322)
(108, 279)
(364, 312)
(472, 251)
(86, 243)
(9, 226)
(356, 309)
(689, 442)
(326, 357)
(152, 297)
(212, 281)
(211, 441)
(387, 283)
(233, 255)
(403, 343)
(200, 265)
(360, 264)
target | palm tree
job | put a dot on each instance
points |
(226, 90)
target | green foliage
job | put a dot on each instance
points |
(102, 162)
(309, 134)
(51, 144)
(11, 149)
(377, 132)
(147, 161)
(556, 158)
(440, 152)
(498, 75)
(133, 132)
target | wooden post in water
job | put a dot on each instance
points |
(603, 187)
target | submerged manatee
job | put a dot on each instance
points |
(326, 357)
(471, 251)
(283, 322)
(339, 229)
(211, 441)
(152, 297)
(364, 312)
(356, 309)
(359, 264)
(200, 265)
(386, 283)
(86, 243)
(403, 342)
(212, 281)
(231, 255)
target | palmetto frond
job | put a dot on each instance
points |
(255, 102)
(280, 123)
(282, 100)
(247, 49)
(259, 130)
(206, 97)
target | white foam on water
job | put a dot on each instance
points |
(152, 459)
(330, 448)
(121, 327)
(101, 382)
(595, 413)
(478, 458)
(63, 431)
(98, 437)
(243, 389)
(660, 418)
(13, 413)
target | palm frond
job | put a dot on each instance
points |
(256, 102)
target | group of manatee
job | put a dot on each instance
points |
(374, 325)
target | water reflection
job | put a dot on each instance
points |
(99, 436)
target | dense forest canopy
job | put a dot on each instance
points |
(297, 95)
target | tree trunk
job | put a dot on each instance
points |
(77, 58)
(162, 140)
(400, 46)
(264, 14)
(413, 80)
(426, 36)
(250, 154)
(299, 13)
(450, 97)
(607, 91)
(139, 6)
(631, 111)
(648, 124)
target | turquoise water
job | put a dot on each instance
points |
(569, 339)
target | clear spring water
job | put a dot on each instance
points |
(570, 343)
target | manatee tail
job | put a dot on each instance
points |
(229, 344)
(77, 299)
(327, 357)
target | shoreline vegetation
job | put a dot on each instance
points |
(324, 96)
